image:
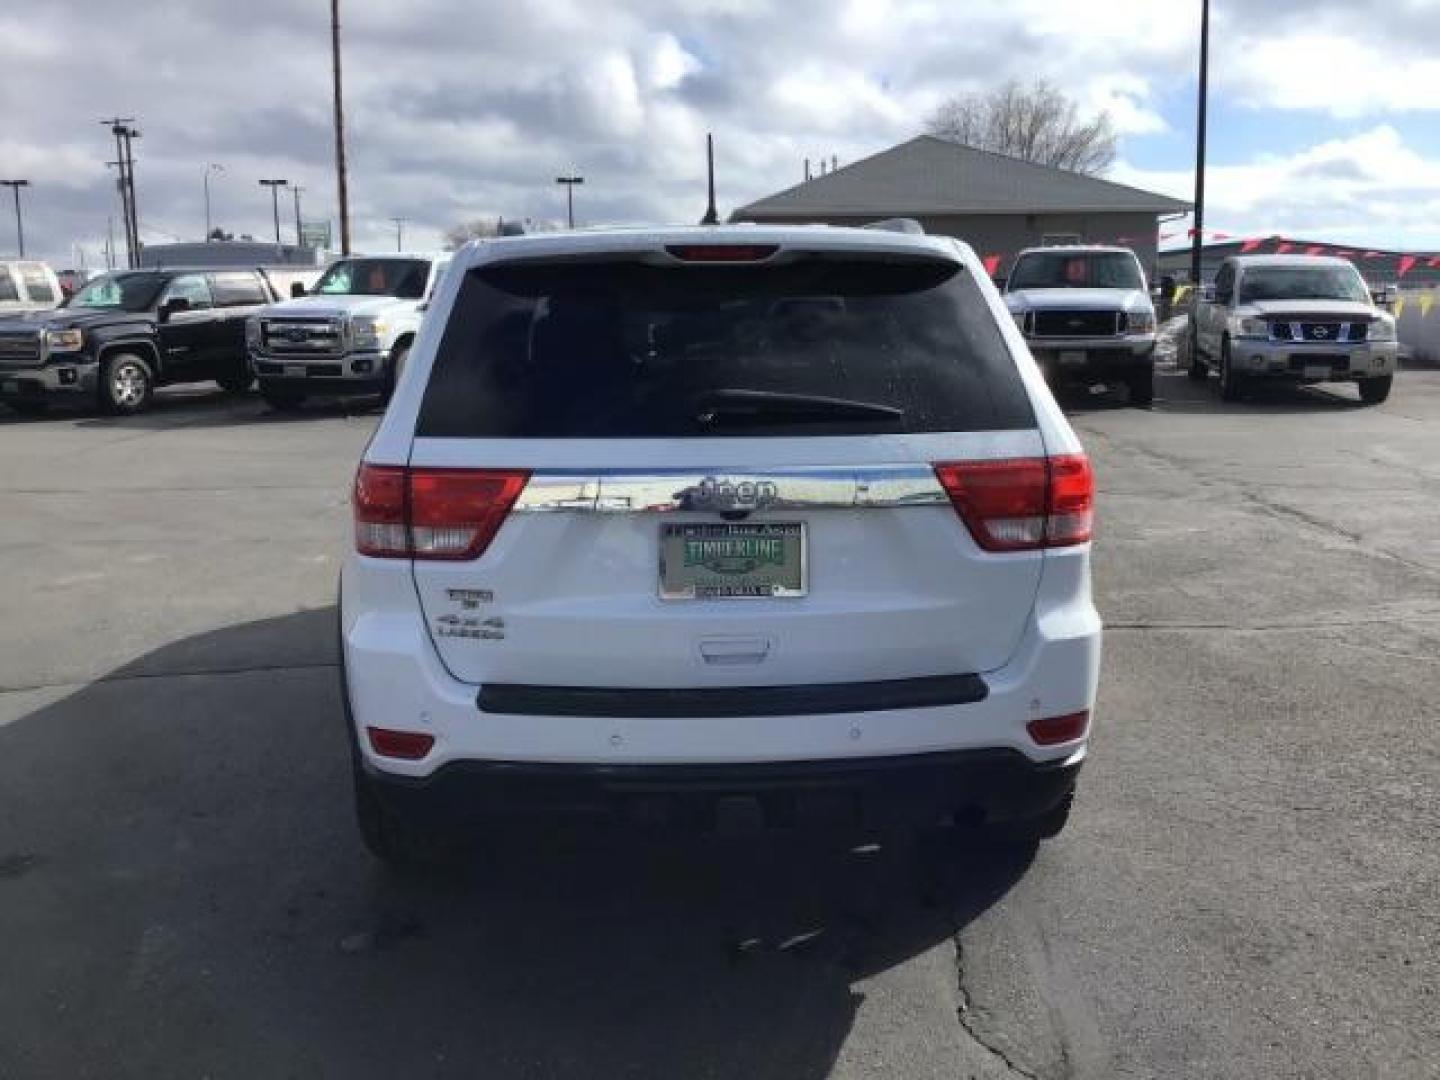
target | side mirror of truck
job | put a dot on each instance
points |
(296, 289)
(173, 307)
(1386, 295)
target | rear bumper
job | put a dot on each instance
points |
(991, 786)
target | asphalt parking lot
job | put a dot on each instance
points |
(1249, 887)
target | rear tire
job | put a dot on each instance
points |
(1142, 389)
(282, 400)
(1232, 383)
(126, 384)
(390, 837)
(1374, 391)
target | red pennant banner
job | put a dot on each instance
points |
(1347, 254)
(1371, 255)
(1283, 248)
(1314, 249)
(1434, 263)
(1406, 264)
(1250, 245)
(992, 264)
(1220, 236)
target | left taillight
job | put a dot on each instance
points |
(417, 513)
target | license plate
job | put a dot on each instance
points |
(1317, 371)
(1071, 356)
(295, 371)
(9, 386)
(732, 562)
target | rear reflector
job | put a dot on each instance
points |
(403, 513)
(1059, 729)
(1020, 504)
(723, 252)
(406, 745)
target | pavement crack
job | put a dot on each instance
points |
(965, 1014)
(123, 676)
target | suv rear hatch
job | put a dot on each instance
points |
(716, 467)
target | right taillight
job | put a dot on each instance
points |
(1021, 504)
(414, 513)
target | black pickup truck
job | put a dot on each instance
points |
(126, 333)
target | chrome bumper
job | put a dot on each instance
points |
(353, 367)
(1314, 360)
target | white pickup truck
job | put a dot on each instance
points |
(350, 334)
(1301, 318)
(1086, 315)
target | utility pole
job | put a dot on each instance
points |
(210, 167)
(109, 243)
(340, 182)
(712, 217)
(15, 186)
(275, 186)
(1197, 239)
(570, 182)
(295, 190)
(399, 232)
(125, 162)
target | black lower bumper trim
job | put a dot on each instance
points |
(517, 699)
(971, 786)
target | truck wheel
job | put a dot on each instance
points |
(1374, 391)
(1142, 389)
(393, 840)
(282, 400)
(393, 370)
(1232, 383)
(236, 381)
(1197, 369)
(126, 385)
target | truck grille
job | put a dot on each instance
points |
(302, 337)
(1321, 332)
(1072, 324)
(19, 350)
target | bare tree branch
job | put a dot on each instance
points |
(1036, 122)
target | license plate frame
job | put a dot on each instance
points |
(1070, 357)
(689, 575)
(295, 371)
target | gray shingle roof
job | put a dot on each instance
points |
(928, 176)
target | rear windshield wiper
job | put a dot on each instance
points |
(734, 406)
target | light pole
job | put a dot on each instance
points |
(399, 232)
(210, 167)
(1198, 239)
(295, 190)
(342, 187)
(15, 186)
(570, 182)
(275, 186)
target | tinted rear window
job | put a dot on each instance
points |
(624, 350)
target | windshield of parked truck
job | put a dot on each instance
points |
(1076, 270)
(120, 292)
(401, 278)
(1302, 283)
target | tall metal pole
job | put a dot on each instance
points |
(712, 217)
(120, 131)
(130, 133)
(210, 167)
(1198, 237)
(295, 190)
(399, 233)
(275, 186)
(340, 182)
(15, 186)
(570, 182)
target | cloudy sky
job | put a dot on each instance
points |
(1325, 118)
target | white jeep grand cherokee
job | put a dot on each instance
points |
(724, 527)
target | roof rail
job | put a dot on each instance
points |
(897, 224)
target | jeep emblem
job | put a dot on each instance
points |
(713, 494)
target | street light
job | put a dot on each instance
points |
(296, 190)
(16, 185)
(570, 182)
(210, 167)
(1197, 238)
(275, 186)
(399, 232)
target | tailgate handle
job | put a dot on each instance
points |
(747, 650)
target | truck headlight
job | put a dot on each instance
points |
(1383, 329)
(58, 341)
(1251, 328)
(367, 333)
(1140, 322)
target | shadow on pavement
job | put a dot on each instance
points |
(198, 405)
(184, 894)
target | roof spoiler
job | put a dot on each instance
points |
(897, 224)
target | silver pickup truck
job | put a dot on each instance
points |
(1301, 318)
(1086, 315)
